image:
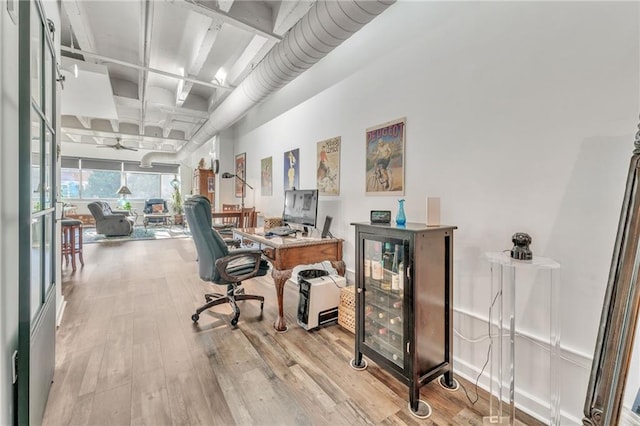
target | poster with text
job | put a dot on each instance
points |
(328, 172)
(266, 176)
(241, 171)
(385, 158)
(292, 169)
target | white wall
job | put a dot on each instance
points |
(8, 209)
(520, 116)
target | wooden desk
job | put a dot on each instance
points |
(285, 253)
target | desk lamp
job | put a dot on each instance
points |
(227, 175)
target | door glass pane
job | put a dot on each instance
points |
(36, 54)
(36, 265)
(48, 81)
(36, 184)
(383, 298)
(48, 169)
(48, 251)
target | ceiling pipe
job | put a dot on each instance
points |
(327, 24)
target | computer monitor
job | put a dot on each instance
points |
(300, 207)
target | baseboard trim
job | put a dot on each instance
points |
(63, 305)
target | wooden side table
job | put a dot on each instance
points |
(72, 241)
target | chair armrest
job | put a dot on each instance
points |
(223, 263)
(121, 212)
(115, 216)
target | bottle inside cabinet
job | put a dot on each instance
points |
(383, 326)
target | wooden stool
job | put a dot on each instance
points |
(72, 241)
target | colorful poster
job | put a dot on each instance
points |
(328, 173)
(241, 163)
(292, 169)
(385, 158)
(266, 176)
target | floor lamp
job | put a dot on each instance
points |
(227, 175)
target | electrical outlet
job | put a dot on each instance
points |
(14, 364)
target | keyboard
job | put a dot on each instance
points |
(281, 231)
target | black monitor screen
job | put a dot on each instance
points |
(301, 206)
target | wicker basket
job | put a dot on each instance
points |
(347, 308)
(272, 222)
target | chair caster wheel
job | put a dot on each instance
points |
(195, 317)
(234, 321)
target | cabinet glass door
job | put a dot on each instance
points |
(384, 280)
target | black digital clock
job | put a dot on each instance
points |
(380, 216)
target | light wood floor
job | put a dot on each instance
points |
(127, 353)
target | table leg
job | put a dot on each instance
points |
(80, 245)
(73, 248)
(340, 266)
(280, 279)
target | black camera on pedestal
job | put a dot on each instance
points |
(521, 250)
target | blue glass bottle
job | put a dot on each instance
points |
(401, 219)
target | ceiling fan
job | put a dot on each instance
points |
(117, 146)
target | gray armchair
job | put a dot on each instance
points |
(111, 223)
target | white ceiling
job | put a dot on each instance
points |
(131, 53)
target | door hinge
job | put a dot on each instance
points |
(14, 364)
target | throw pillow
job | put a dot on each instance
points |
(157, 208)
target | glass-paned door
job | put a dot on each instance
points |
(384, 280)
(37, 186)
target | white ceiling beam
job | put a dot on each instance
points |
(242, 23)
(81, 28)
(74, 138)
(140, 67)
(85, 121)
(115, 125)
(287, 13)
(257, 49)
(249, 57)
(201, 57)
(105, 134)
(146, 28)
(225, 5)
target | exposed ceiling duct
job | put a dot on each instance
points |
(322, 29)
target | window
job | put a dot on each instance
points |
(90, 179)
(70, 183)
(143, 185)
(101, 184)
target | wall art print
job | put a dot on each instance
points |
(266, 176)
(241, 171)
(385, 158)
(328, 172)
(292, 169)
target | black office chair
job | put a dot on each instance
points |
(217, 264)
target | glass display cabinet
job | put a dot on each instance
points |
(404, 304)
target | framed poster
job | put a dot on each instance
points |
(292, 169)
(266, 176)
(385, 158)
(211, 184)
(328, 172)
(241, 160)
